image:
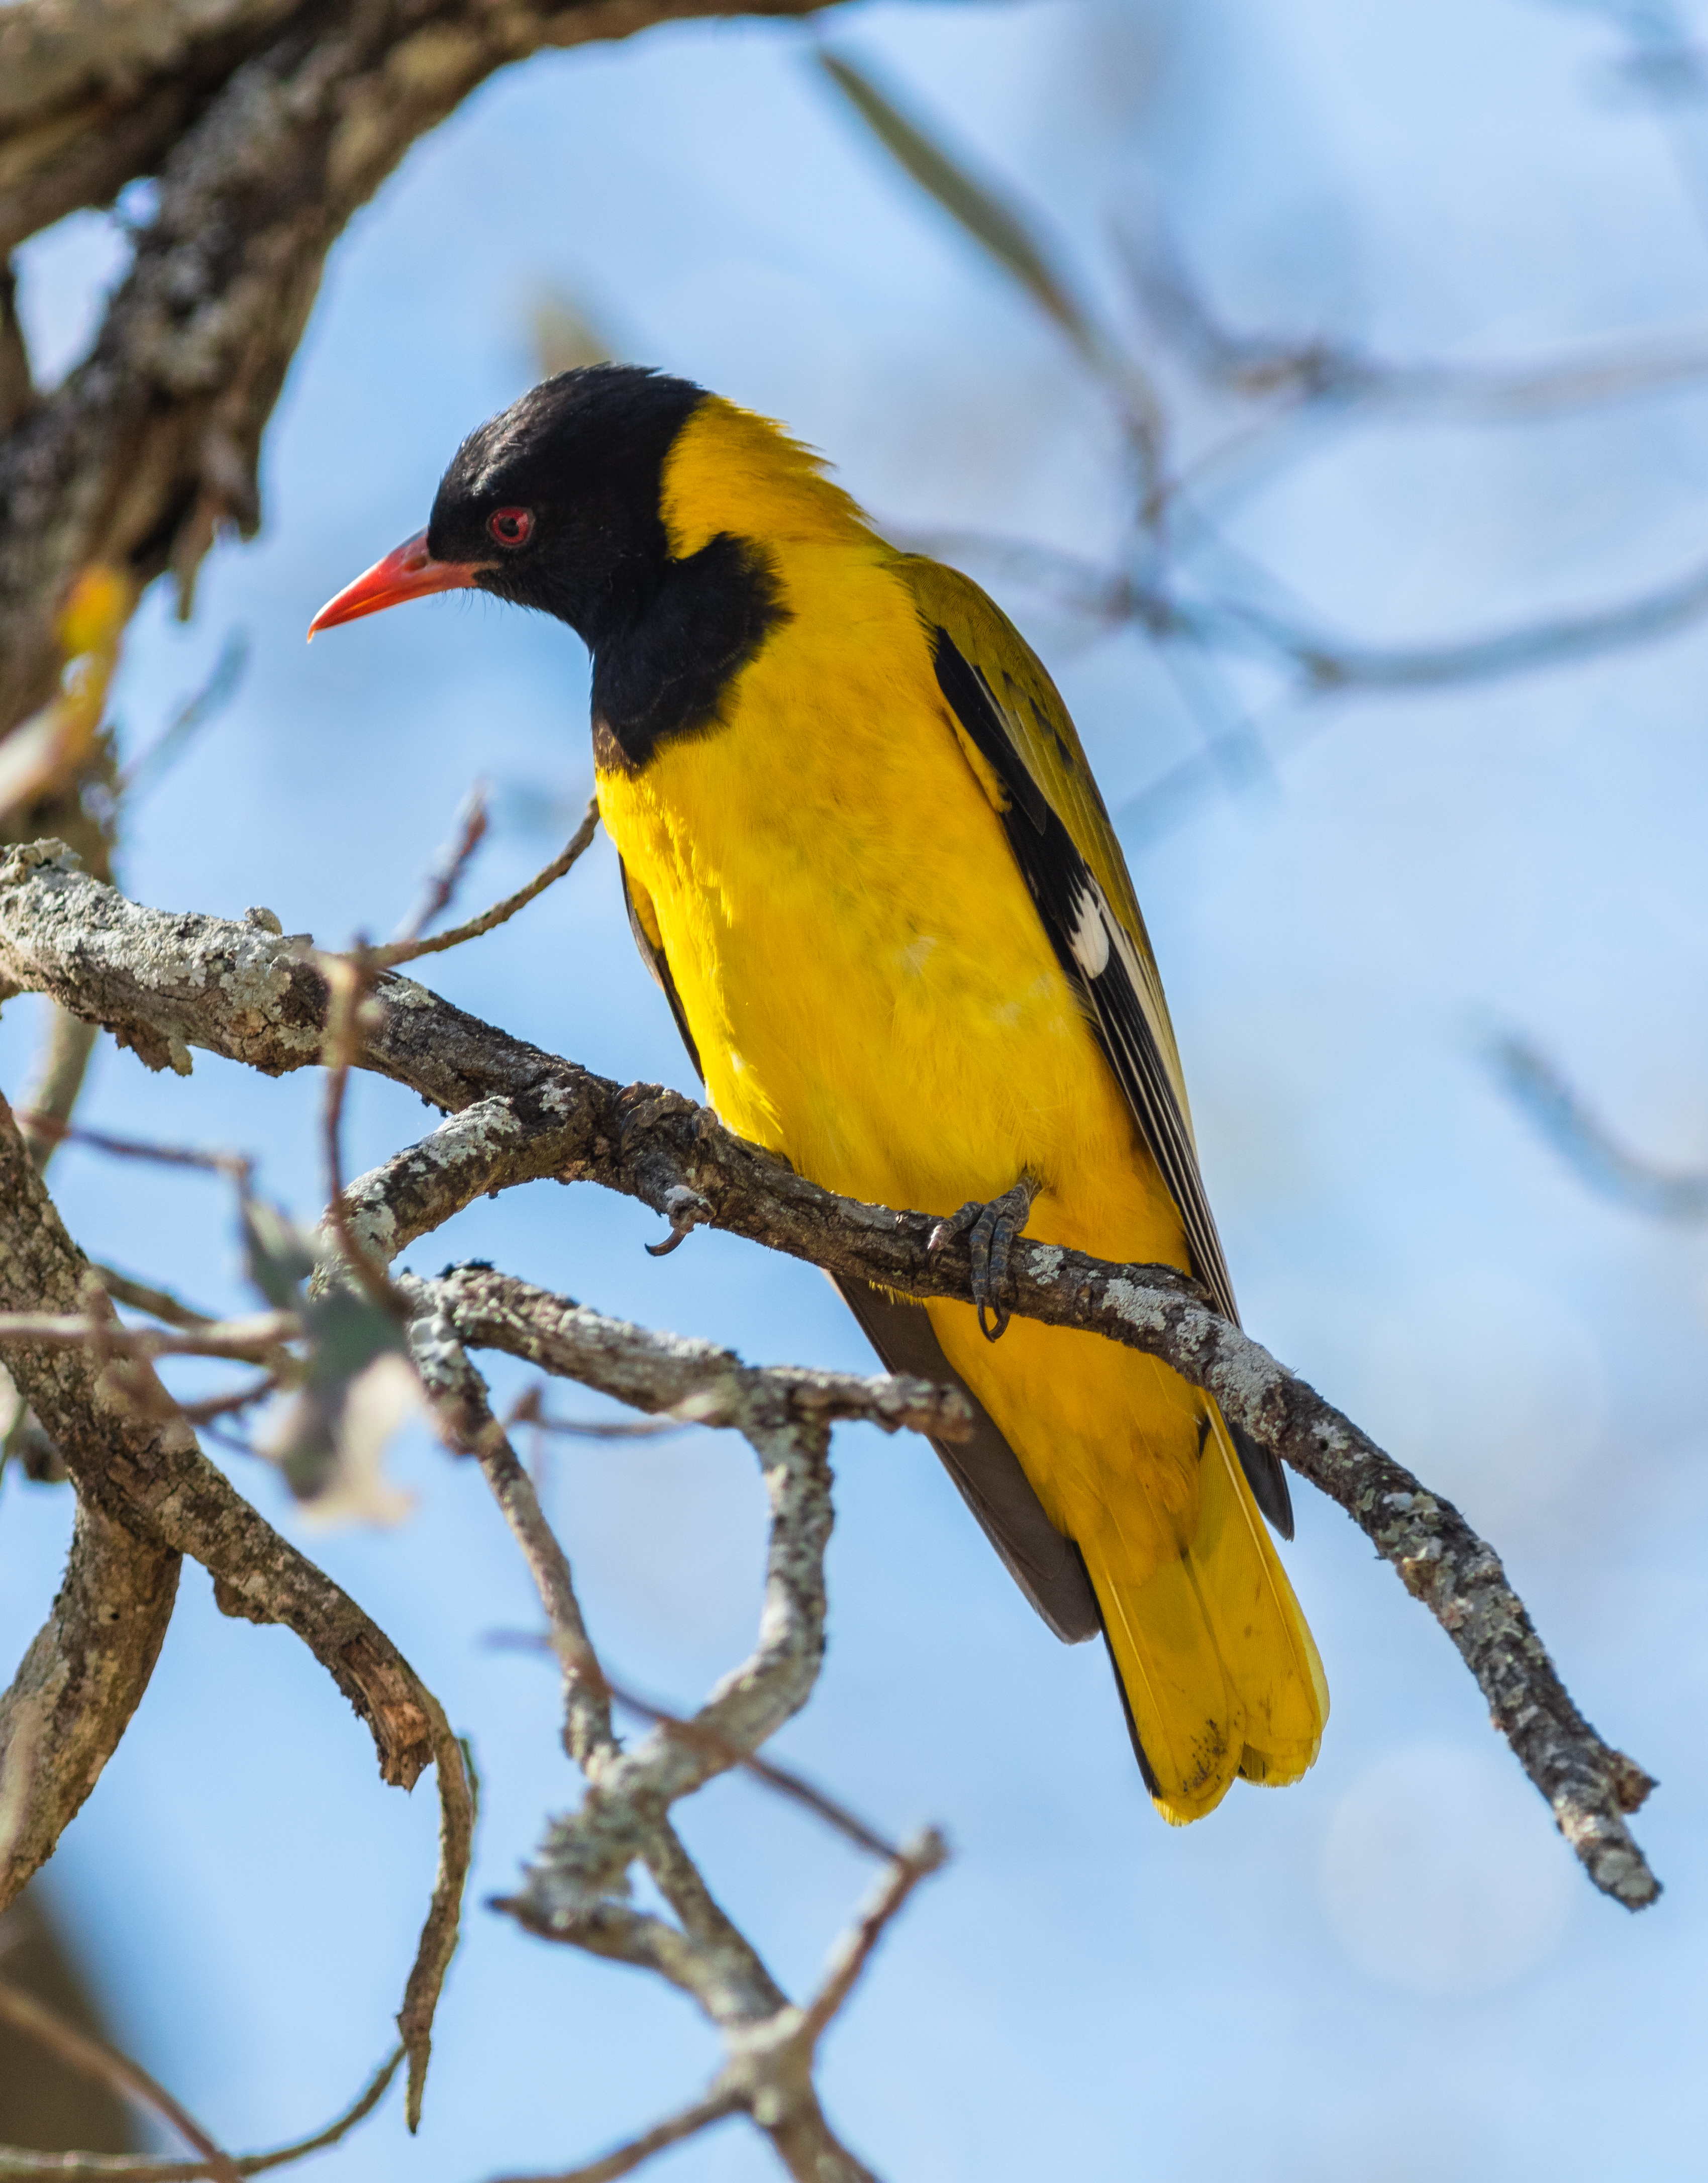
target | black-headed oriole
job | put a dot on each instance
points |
(865, 858)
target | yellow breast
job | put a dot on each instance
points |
(868, 982)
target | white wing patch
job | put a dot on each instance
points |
(1088, 940)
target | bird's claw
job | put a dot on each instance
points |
(684, 1209)
(991, 1229)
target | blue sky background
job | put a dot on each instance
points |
(1394, 1967)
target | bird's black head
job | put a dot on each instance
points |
(558, 504)
(554, 503)
(556, 499)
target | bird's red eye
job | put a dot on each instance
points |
(510, 526)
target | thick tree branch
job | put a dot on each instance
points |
(163, 983)
(268, 125)
(78, 1684)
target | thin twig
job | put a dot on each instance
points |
(793, 1787)
(225, 1406)
(60, 1071)
(152, 764)
(921, 1855)
(94, 2057)
(624, 2159)
(410, 949)
(460, 1400)
(19, 2164)
(447, 876)
(528, 1410)
(234, 1164)
(245, 1340)
(143, 1296)
(348, 979)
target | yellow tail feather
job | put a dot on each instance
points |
(1221, 1675)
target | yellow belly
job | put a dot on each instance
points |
(873, 996)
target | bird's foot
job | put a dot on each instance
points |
(684, 1209)
(991, 1230)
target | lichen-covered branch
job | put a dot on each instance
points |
(267, 125)
(137, 1469)
(163, 983)
(690, 1379)
(465, 1413)
(577, 1888)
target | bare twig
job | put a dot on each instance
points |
(225, 1406)
(248, 1339)
(1262, 366)
(460, 1397)
(917, 1858)
(94, 2057)
(52, 1092)
(102, 1140)
(792, 1787)
(526, 1410)
(19, 2165)
(716, 2107)
(449, 872)
(349, 979)
(1015, 238)
(409, 949)
(151, 764)
(1325, 665)
(143, 1296)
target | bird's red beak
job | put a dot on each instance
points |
(409, 572)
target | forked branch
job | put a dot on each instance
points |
(164, 983)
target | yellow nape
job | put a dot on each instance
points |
(731, 470)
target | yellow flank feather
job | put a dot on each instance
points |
(874, 995)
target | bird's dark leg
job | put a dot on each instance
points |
(991, 1231)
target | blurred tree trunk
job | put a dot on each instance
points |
(44, 2103)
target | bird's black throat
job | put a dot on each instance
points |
(584, 456)
(662, 673)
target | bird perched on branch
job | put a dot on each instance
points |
(865, 859)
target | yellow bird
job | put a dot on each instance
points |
(865, 858)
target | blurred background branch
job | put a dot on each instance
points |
(1560, 1113)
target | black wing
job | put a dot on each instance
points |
(1100, 957)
